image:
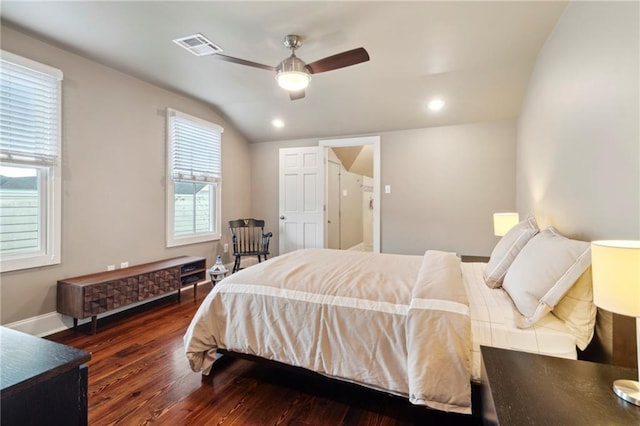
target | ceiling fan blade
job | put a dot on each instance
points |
(244, 62)
(340, 60)
(295, 95)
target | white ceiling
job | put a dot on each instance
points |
(476, 55)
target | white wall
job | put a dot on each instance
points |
(113, 169)
(446, 184)
(578, 155)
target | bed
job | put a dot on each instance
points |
(406, 325)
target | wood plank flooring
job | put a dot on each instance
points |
(139, 375)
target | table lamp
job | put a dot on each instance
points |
(502, 222)
(616, 287)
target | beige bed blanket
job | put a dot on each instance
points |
(390, 322)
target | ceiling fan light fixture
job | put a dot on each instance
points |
(292, 75)
(293, 81)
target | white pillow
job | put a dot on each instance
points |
(543, 272)
(577, 310)
(507, 249)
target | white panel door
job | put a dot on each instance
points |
(301, 198)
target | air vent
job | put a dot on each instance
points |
(198, 44)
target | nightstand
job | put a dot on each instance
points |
(520, 388)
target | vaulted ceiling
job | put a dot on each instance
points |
(476, 56)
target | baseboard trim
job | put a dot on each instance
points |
(42, 325)
(54, 322)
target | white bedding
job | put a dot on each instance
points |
(367, 319)
(493, 323)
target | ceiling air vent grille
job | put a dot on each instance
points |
(198, 44)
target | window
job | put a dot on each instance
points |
(30, 156)
(194, 179)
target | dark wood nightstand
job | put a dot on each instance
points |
(519, 388)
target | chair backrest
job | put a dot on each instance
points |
(248, 236)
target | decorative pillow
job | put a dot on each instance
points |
(507, 249)
(543, 272)
(577, 310)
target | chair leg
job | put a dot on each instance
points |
(259, 258)
(236, 264)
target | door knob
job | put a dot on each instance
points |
(281, 217)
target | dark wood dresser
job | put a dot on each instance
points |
(41, 382)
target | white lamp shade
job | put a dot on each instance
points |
(616, 276)
(502, 222)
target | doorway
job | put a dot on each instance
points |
(352, 166)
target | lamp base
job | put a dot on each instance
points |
(629, 390)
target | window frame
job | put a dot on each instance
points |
(49, 184)
(173, 240)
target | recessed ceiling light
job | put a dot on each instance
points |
(435, 104)
(277, 123)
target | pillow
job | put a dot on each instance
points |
(507, 249)
(577, 310)
(543, 272)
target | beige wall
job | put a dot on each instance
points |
(578, 155)
(446, 184)
(113, 203)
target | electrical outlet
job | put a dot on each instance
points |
(124, 265)
(111, 268)
(226, 248)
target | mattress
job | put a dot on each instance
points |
(493, 323)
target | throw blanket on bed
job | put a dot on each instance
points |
(390, 322)
(439, 336)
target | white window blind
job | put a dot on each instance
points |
(30, 163)
(30, 113)
(195, 148)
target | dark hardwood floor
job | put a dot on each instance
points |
(139, 374)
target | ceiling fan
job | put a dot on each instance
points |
(293, 74)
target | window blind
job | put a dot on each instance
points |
(195, 148)
(29, 111)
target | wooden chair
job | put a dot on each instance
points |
(248, 239)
